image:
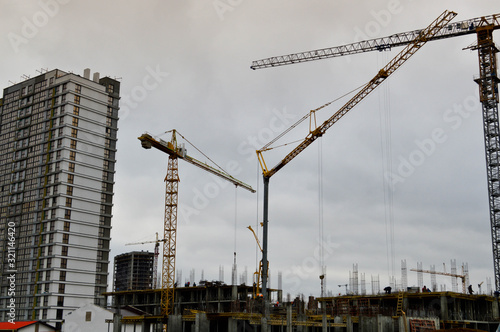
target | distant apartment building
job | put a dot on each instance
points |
(133, 271)
(57, 164)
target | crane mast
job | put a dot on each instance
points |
(422, 37)
(170, 236)
(488, 96)
(175, 153)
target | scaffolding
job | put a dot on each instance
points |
(353, 279)
(404, 275)
(375, 285)
(420, 275)
(433, 278)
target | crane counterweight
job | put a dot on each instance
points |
(146, 144)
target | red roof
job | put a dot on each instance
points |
(6, 326)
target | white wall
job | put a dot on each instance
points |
(75, 321)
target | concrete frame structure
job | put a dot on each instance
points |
(57, 164)
(134, 271)
(390, 312)
(192, 304)
(232, 308)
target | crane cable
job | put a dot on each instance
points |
(235, 199)
(234, 270)
(266, 147)
(320, 216)
(222, 169)
(235, 214)
(257, 228)
(386, 147)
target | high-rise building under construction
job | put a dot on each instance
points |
(57, 163)
(134, 271)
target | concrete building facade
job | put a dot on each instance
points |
(58, 135)
(133, 271)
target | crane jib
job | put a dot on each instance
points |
(455, 29)
(423, 36)
(147, 141)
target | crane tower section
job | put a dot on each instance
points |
(175, 153)
(488, 95)
(170, 235)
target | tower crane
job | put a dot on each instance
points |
(156, 254)
(488, 81)
(454, 29)
(463, 276)
(314, 133)
(176, 152)
(257, 281)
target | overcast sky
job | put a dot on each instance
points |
(403, 175)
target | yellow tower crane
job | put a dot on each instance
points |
(175, 152)
(420, 38)
(463, 276)
(257, 282)
(488, 81)
(156, 254)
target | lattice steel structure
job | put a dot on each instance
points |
(488, 95)
(488, 92)
(176, 152)
(377, 44)
(170, 234)
(408, 51)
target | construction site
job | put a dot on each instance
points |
(216, 306)
(220, 307)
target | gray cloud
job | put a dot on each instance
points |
(213, 98)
